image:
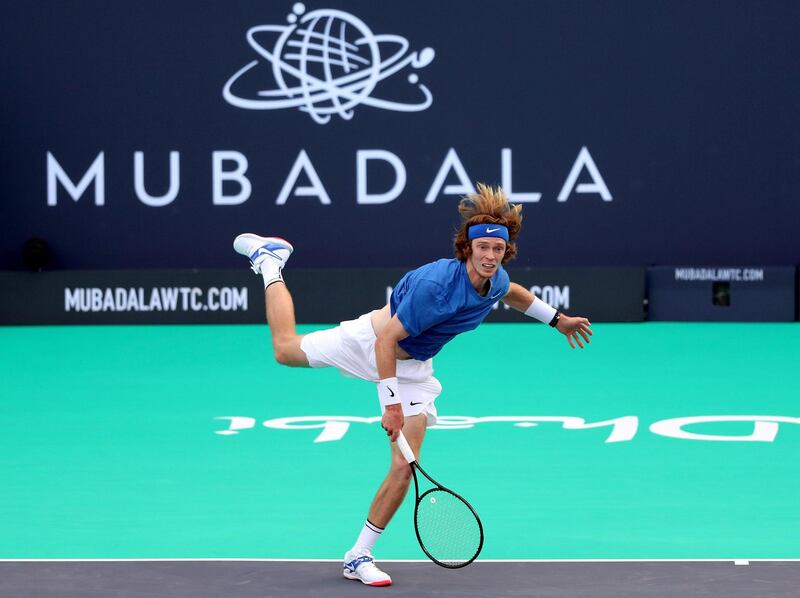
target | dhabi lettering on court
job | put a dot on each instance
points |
(621, 429)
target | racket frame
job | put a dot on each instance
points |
(409, 456)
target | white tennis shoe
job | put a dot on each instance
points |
(268, 255)
(359, 565)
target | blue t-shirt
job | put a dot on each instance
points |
(437, 301)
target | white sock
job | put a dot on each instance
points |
(368, 536)
(270, 272)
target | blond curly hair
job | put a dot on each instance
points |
(489, 205)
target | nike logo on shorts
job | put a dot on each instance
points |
(412, 403)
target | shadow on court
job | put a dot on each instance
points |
(199, 579)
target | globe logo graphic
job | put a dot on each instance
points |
(330, 60)
(327, 62)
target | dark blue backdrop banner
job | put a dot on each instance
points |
(148, 134)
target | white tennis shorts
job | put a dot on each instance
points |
(350, 347)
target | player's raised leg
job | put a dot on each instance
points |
(358, 561)
(268, 256)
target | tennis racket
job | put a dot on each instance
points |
(449, 530)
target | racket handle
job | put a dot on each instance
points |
(404, 447)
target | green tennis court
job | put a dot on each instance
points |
(111, 444)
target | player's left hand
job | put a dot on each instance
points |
(575, 329)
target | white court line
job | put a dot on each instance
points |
(266, 560)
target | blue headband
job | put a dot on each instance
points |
(488, 230)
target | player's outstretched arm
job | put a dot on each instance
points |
(577, 329)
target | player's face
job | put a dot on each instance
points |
(487, 255)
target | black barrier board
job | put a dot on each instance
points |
(320, 296)
(131, 297)
(733, 294)
(602, 294)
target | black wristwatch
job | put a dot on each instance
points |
(556, 318)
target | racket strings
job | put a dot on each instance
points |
(447, 528)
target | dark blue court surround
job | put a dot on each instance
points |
(661, 132)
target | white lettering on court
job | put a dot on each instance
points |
(621, 429)
(333, 427)
(236, 423)
(765, 427)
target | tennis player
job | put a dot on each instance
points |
(393, 346)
